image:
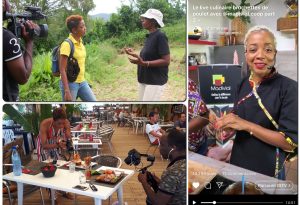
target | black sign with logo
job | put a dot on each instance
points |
(218, 83)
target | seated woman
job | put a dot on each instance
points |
(266, 110)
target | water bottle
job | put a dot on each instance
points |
(15, 158)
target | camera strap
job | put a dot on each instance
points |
(71, 46)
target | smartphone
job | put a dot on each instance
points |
(82, 188)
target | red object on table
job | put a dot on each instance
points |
(90, 125)
(91, 138)
(26, 171)
(88, 174)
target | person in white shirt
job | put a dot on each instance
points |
(153, 130)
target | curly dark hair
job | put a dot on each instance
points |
(59, 113)
(73, 21)
(177, 138)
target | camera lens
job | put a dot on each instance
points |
(43, 30)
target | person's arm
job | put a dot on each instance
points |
(198, 123)
(155, 134)
(20, 68)
(158, 198)
(268, 136)
(63, 60)
(150, 130)
(221, 153)
(163, 61)
(68, 129)
(177, 125)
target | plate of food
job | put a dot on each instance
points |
(80, 164)
(107, 176)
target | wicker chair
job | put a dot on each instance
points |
(7, 168)
(88, 150)
(108, 160)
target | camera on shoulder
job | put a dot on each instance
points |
(15, 22)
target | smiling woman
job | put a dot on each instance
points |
(265, 111)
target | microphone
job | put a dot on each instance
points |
(270, 67)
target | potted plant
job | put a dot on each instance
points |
(239, 20)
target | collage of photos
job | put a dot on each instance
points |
(93, 108)
(243, 101)
(156, 102)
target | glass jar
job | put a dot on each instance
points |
(222, 39)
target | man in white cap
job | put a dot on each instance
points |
(154, 58)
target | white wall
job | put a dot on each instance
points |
(276, 9)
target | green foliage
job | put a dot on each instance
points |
(100, 61)
(232, 10)
(30, 121)
(17, 116)
(42, 85)
(172, 10)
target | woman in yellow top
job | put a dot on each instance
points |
(79, 88)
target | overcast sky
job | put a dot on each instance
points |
(107, 6)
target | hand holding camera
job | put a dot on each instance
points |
(134, 158)
(62, 144)
(27, 28)
(21, 25)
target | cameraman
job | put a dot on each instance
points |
(16, 65)
(172, 185)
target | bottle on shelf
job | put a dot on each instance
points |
(16, 161)
(222, 39)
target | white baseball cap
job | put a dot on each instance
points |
(154, 14)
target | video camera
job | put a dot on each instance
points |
(31, 13)
(134, 158)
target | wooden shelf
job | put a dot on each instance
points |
(202, 42)
(287, 24)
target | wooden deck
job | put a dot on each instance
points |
(133, 191)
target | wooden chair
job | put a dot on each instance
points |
(7, 168)
(151, 145)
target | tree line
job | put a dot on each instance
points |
(126, 21)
